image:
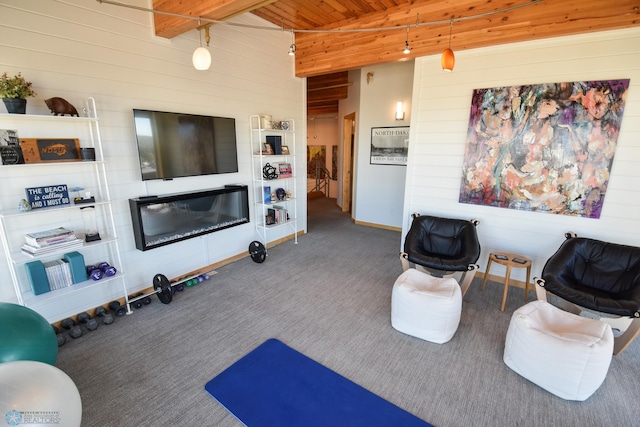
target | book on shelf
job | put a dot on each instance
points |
(49, 237)
(58, 274)
(276, 215)
(284, 170)
(270, 218)
(266, 194)
(275, 141)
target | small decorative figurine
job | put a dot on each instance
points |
(24, 206)
(269, 172)
(60, 106)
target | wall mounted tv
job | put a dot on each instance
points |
(173, 145)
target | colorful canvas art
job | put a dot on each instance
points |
(543, 147)
(316, 154)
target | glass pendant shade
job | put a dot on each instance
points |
(448, 60)
(201, 59)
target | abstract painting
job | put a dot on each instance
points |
(316, 156)
(543, 147)
(334, 162)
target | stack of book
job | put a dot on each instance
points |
(49, 241)
(58, 274)
(276, 215)
(284, 170)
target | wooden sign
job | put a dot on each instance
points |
(44, 197)
(40, 150)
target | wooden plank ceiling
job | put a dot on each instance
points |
(327, 52)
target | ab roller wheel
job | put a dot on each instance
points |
(257, 251)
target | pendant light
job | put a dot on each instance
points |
(292, 48)
(406, 50)
(201, 56)
(448, 58)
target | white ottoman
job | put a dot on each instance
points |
(426, 307)
(563, 353)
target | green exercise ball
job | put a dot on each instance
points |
(26, 335)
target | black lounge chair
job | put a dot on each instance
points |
(599, 276)
(442, 246)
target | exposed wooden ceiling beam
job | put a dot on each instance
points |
(327, 52)
(320, 53)
(171, 26)
(328, 107)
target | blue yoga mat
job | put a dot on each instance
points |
(274, 385)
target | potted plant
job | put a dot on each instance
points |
(14, 92)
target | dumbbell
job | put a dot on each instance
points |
(107, 318)
(94, 272)
(144, 300)
(60, 337)
(118, 309)
(73, 328)
(90, 323)
(107, 269)
(137, 303)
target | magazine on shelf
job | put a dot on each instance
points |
(48, 237)
(34, 250)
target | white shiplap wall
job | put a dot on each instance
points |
(79, 48)
(379, 189)
(439, 125)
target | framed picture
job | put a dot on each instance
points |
(316, 156)
(267, 149)
(389, 145)
(285, 150)
(40, 150)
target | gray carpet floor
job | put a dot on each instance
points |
(329, 298)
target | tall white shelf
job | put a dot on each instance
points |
(90, 175)
(259, 160)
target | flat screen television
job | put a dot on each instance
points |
(173, 145)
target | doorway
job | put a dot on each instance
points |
(348, 161)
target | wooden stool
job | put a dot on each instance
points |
(509, 260)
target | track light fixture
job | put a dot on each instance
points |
(406, 50)
(448, 58)
(201, 56)
(292, 48)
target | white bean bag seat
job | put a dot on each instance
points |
(425, 306)
(563, 353)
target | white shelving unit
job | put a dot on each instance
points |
(269, 211)
(90, 175)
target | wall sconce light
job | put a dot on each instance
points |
(201, 56)
(399, 111)
(448, 58)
